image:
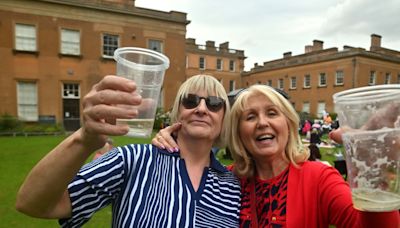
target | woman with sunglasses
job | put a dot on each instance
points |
(147, 186)
(280, 188)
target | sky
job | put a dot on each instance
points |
(265, 29)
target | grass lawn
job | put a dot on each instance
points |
(19, 154)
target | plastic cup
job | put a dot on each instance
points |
(370, 118)
(147, 68)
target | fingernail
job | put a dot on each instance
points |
(176, 149)
(162, 147)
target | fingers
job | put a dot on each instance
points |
(164, 140)
(115, 83)
(110, 99)
(336, 135)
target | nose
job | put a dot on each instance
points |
(263, 121)
(202, 107)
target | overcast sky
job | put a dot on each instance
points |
(265, 29)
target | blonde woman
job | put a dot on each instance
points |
(280, 188)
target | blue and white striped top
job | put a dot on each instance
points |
(150, 187)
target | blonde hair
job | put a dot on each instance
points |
(295, 152)
(212, 87)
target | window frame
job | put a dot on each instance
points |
(293, 82)
(232, 65)
(307, 79)
(27, 104)
(25, 42)
(306, 105)
(322, 80)
(339, 75)
(388, 77)
(202, 63)
(65, 43)
(107, 55)
(160, 42)
(372, 77)
(281, 83)
(220, 64)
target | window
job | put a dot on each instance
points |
(372, 78)
(293, 83)
(27, 101)
(25, 37)
(280, 83)
(307, 81)
(71, 91)
(231, 85)
(155, 45)
(339, 77)
(321, 109)
(70, 42)
(387, 78)
(322, 79)
(219, 64)
(269, 82)
(202, 63)
(231, 65)
(306, 107)
(110, 44)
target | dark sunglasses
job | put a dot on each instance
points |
(214, 104)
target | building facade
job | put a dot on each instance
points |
(310, 79)
(223, 63)
(54, 51)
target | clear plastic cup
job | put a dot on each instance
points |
(370, 118)
(147, 68)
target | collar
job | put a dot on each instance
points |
(214, 163)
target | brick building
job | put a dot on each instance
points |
(221, 62)
(54, 51)
(310, 79)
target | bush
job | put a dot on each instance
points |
(162, 119)
(9, 123)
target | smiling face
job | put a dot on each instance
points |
(200, 122)
(263, 129)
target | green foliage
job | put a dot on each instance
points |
(9, 122)
(162, 118)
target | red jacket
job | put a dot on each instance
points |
(317, 196)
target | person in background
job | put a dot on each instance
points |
(306, 128)
(315, 154)
(147, 186)
(280, 188)
(107, 147)
(315, 137)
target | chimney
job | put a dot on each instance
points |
(224, 45)
(318, 45)
(210, 45)
(308, 49)
(287, 54)
(375, 42)
(190, 41)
